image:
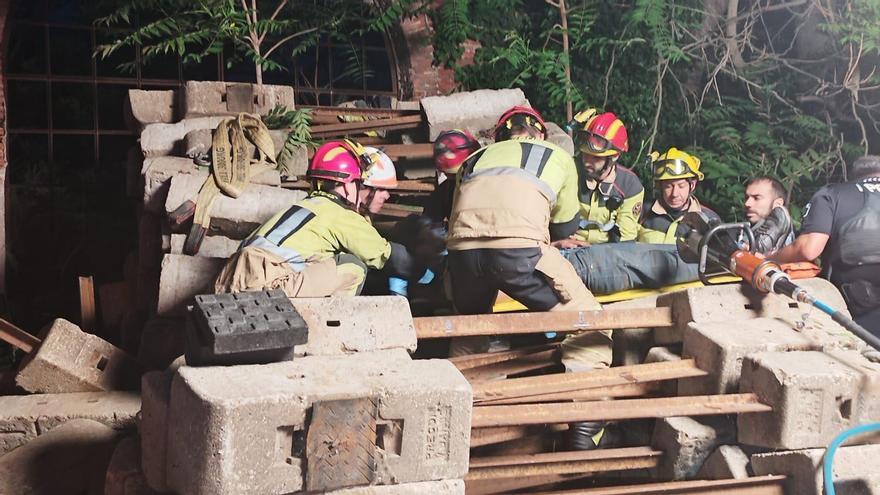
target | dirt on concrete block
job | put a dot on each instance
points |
(203, 98)
(422, 420)
(688, 442)
(25, 417)
(737, 302)
(169, 139)
(70, 360)
(720, 351)
(235, 218)
(344, 325)
(72, 458)
(474, 111)
(184, 277)
(814, 397)
(727, 462)
(855, 469)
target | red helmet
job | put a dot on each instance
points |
(337, 161)
(518, 115)
(451, 148)
(602, 135)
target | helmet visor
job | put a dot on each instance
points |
(591, 143)
(675, 168)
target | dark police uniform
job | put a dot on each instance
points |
(850, 214)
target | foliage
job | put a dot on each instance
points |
(297, 123)
(787, 91)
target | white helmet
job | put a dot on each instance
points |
(381, 174)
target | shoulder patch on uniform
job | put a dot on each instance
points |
(637, 209)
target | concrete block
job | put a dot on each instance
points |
(720, 347)
(630, 345)
(814, 397)
(198, 142)
(441, 487)
(559, 137)
(156, 394)
(727, 462)
(169, 139)
(162, 341)
(235, 218)
(669, 388)
(124, 475)
(422, 426)
(213, 246)
(24, 417)
(202, 98)
(70, 459)
(854, 469)
(736, 302)
(474, 111)
(688, 442)
(149, 107)
(70, 360)
(344, 325)
(157, 173)
(184, 277)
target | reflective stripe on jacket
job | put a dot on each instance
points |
(661, 227)
(615, 203)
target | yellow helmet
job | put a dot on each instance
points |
(675, 164)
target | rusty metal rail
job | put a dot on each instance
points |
(628, 390)
(563, 412)
(567, 382)
(17, 337)
(435, 327)
(487, 358)
(758, 485)
(562, 463)
(530, 362)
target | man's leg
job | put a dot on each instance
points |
(471, 294)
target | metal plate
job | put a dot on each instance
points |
(341, 444)
(240, 98)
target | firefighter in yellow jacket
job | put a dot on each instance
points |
(676, 175)
(611, 195)
(324, 244)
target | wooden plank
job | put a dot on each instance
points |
(532, 362)
(758, 485)
(629, 390)
(436, 327)
(564, 412)
(566, 382)
(562, 463)
(340, 444)
(87, 304)
(486, 358)
(405, 122)
(411, 151)
(16, 337)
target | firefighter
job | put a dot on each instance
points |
(610, 194)
(450, 150)
(676, 175)
(324, 244)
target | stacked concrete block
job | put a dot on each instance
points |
(631, 345)
(688, 442)
(182, 278)
(70, 360)
(162, 341)
(720, 347)
(727, 462)
(234, 217)
(419, 431)
(441, 487)
(213, 246)
(854, 469)
(198, 143)
(124, 475)
(25, 417)
(208, 98)
(559, 137)
(169, 139)
(735, 303)
(665, 355)
(814, 396)
(72, 458)
(476, 111)
(149, 107)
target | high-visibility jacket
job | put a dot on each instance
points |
(610, 209)
(511, 194)
(659, 226)
(319, 227)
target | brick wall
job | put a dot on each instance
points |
(417, 75)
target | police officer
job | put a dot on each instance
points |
(676, 175)
(610, 194)
(324, 244)
(841, 224)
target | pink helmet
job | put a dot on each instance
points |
(451, 148)
(337, 161)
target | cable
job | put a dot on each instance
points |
(828, 463)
